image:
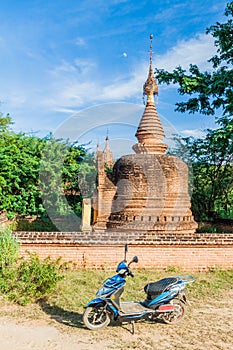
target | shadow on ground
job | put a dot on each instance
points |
(68, 318)
(74, 319)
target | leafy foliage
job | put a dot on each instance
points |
(212, 173)
(35, 279)
(5, 122)
(211, 90)
(31, 167)
(24, 281)
(211, 157)
(9, 249)
(19, 171)
(79, 175)
(66, 176)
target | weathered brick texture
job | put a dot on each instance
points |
(189, 251)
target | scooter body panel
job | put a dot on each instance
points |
(96, 303)
(111, 285)
(164, 297)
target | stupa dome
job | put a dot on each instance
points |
(151, 194)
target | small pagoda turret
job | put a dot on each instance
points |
(103, 197)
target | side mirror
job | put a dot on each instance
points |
(134, 260)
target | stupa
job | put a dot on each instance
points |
(146, 191)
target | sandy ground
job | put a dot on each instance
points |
(206, 326)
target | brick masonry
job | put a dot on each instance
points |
(197, 251)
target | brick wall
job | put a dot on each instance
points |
(189, 251)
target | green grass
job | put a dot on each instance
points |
(78, 287)
(66, 303)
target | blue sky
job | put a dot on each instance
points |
(60, 58)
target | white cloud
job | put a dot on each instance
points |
(16, 99)
(65, 110)
(197, 133)
(77, 66)
(80, 42)
(73, 85)
(64, 67)
(196, 50)
(122, 89)
(84, 66)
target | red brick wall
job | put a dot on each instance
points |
(188, 251)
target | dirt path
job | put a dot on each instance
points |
(206, 326)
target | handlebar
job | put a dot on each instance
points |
(130, 273)
(124, 269)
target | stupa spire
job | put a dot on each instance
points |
(150, 88)
(150, 133)
(108, 155)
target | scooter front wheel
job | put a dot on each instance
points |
(96, 318)
(176, 315)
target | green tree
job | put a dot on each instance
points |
(19, 171)
(79, 174)
(5, 123)
(30, 167)
(66, 176)
(211, 161)
(209, 92)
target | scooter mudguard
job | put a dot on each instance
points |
(99, 302)
(96, 302)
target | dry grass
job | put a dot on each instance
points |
(207, 325)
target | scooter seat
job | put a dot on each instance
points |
(153, 289)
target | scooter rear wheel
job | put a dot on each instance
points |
(96, 318)
(176, 315)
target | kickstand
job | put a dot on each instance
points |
(132, 324)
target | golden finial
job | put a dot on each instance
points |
(150, 87)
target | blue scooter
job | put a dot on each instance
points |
(165, 300)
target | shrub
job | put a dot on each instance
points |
(35, 279)
(9, 249)
(24, 281)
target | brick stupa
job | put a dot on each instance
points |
(146, 191)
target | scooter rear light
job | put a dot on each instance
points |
(166, 308)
